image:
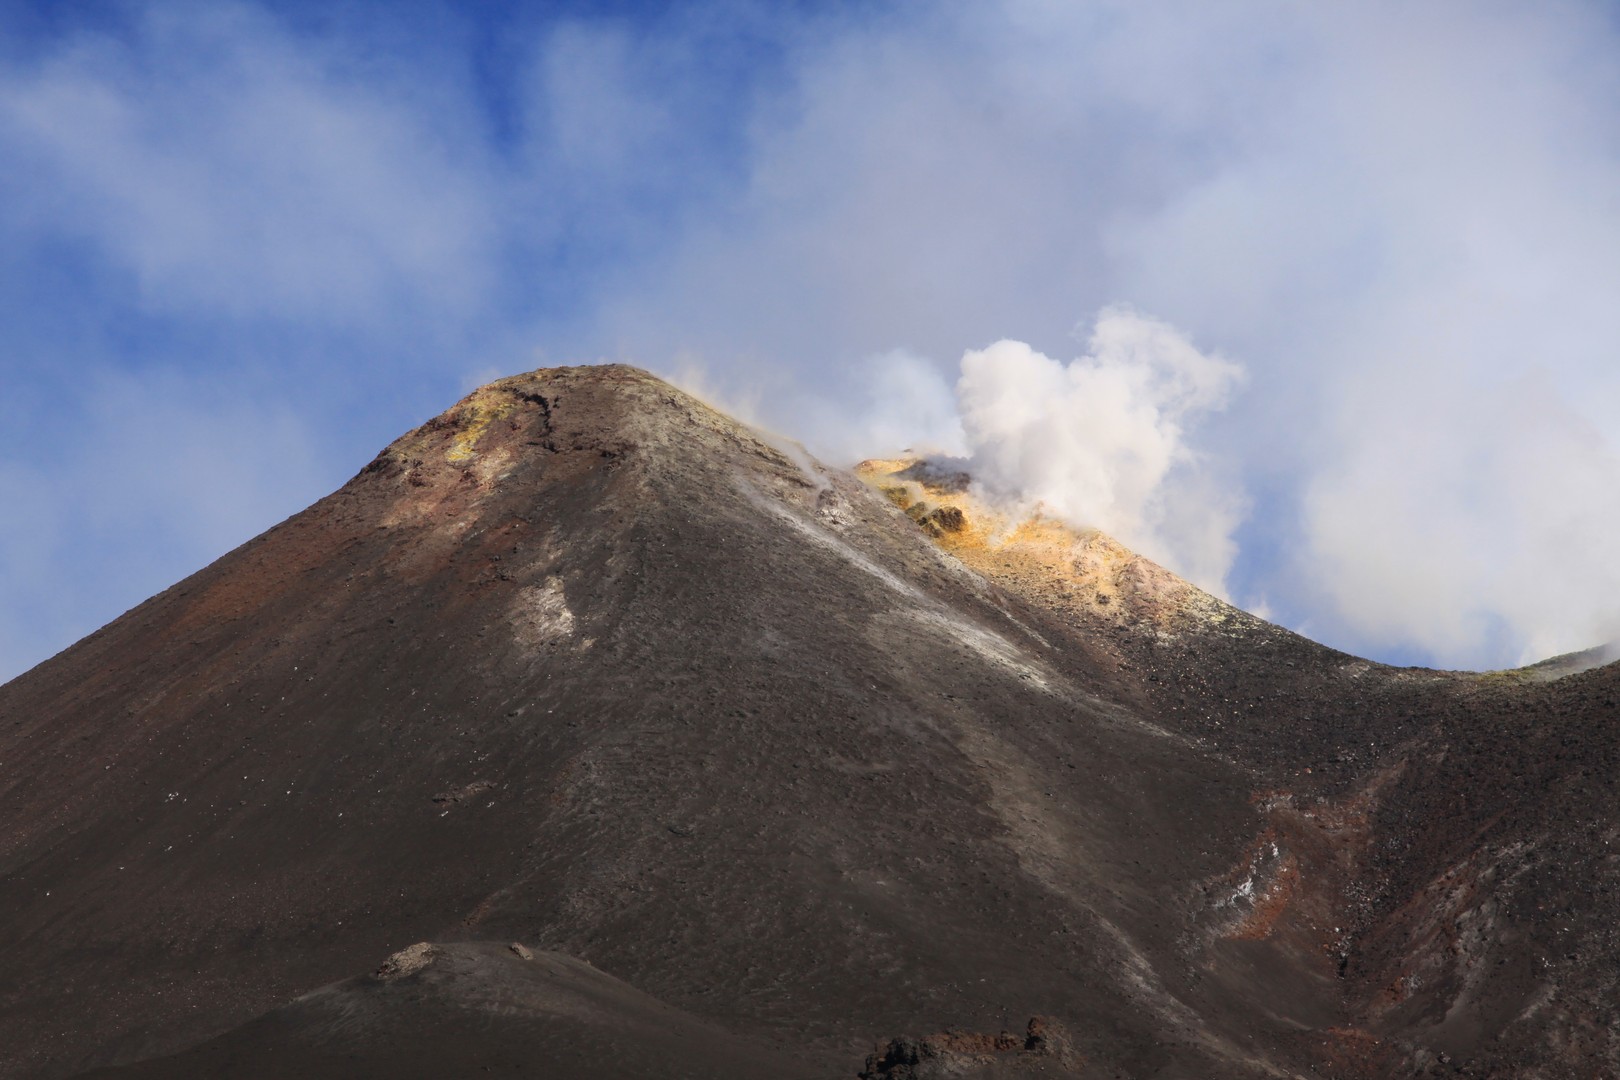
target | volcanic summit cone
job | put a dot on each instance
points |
(588, 733)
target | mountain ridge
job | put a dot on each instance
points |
(584, 664)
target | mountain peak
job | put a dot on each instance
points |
(552, 423)
(603, 409)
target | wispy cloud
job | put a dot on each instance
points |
(231, 170)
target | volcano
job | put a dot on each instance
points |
(589, 733)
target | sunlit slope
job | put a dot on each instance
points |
(1046, 560)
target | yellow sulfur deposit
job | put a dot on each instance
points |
(1043, 559)
(479, 411)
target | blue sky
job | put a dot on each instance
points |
(244, 245)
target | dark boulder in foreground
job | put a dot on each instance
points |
(774, 771)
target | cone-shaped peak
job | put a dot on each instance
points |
(604, 409)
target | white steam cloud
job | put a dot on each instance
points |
(1102, 440)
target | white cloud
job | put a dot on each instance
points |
(231, 171)
(1482, 514)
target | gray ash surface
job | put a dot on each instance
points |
(771, 779)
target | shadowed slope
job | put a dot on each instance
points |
(584, 664)
(475, 1008)
(1447, 843)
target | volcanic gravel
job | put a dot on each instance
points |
(773, 773)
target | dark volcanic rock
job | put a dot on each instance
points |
(473, 1008)
(1043, 1049)
(585, 665)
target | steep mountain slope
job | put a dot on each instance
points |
(1450, 841)
(585, 665)
(472, 1008)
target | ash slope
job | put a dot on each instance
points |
(472, 1008)
(584, 664)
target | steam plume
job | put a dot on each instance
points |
(1102, 440)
